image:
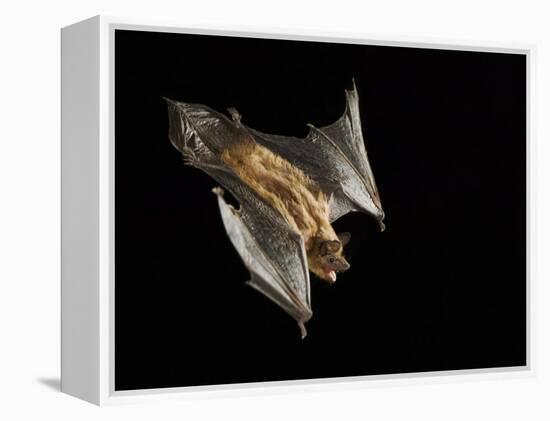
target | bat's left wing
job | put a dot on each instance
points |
(271, 250)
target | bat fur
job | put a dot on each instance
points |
(296, 197)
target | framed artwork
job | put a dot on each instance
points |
(245, 209)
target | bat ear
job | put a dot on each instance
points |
(330, 246)
(344, 237)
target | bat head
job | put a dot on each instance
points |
(329, 259)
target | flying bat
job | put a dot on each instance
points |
(289, 189)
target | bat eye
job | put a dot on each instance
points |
(331, 259)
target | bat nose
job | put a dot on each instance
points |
(345, 266)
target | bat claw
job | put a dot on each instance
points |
(218, 191)
(235, 115)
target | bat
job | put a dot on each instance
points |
(289, 189)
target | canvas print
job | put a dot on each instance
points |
(372, 197)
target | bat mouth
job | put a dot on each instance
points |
(331, 275)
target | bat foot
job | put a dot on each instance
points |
(381, 220)
(303, 331)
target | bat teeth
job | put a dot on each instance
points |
(332, 276)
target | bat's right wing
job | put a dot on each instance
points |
(335, 157)
(273, 253)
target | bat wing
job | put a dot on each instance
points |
(274, 255)
(270, 249)
(335, 157)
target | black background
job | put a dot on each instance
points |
(442, 288)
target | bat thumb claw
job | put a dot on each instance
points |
(235, 115)
(218, 191)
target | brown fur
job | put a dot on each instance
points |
(288, 190)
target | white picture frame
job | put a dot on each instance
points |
(87, 359)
